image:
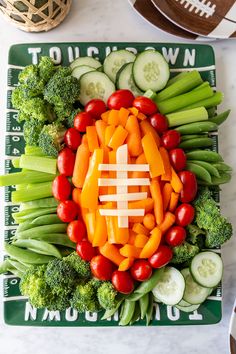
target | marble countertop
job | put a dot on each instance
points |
(106, 20)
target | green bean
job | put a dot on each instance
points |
(143, 302)
(42, 230)
(57, 239)
(17, 265)
(150, 310)
(199, 171)
(220, 118)
(204, 155)
(208, 166)
(46, 220)
(40, 203)
(196, 143)
(215, 181)
(37, 246)
(32, 214)
(222, 167)
(197, 127)
(26, 256)
(136, 314)
(109, 313)
(4, 266)
(192, 136)
(127, 313)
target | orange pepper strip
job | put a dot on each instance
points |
(108, 133)
(90, 222)
(140, 229)
(140, 240)
(130, 251)
(123, 116)
(100, 234)
(92, 138)
(121, 234)
(141, 116)
(110, 223)
(158, 201)
(126, 264)
(113, 118)
(134, 138)
(89, 195)
(81, 165)
(152, 244)
(134, 111)
(112, 174)
(111, 252)
(175, 182)
(168, 221)
(167, 166)
(174, 198)
(104, 116)
(166, 194)
(146, 128)
(103, 190)
(132, 236)
(84, 139)
(118, 137)
(146, 204)
(76, 196)
(153, 156)
(101, 128)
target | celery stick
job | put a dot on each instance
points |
(39, 163)
(150, 94)
(177, 78)
(33, 150)
(40, 203)
(25, 177)
(183, 85)
(209, 102)
(184, 100)
(32, 192)
(185, 117)
(204, 84)
(16, 162)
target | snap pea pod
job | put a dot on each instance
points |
(4, 266)
(57, 239)
(26, 256)
(208, 166)
(220, 118)
(150, 310)
(215, 181)
(32, 213)
(143, 302)
(46, 220)
(196, 143)
(127, 313)
(25, 225)
(37, 246)
(192, 136)
(16, 272)
(49, 202)
(42, 230)
(17, 265)
(199, 171)
(197, 127)
(204, 155)
(109, 313)
(211, 111)
(222, 167)
(136, 314)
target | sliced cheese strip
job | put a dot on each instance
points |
(122, 212)
(123, 197)
(124, 167)
(122, 158)
(104, 182)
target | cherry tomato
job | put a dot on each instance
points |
(82, 120)
(76, 231)
(67, 211)
(159, 122)
(61, 188)
(161, 257)
(184, 214)
(141, 270)
(145, 105)
(171, 139)
(189, 190)
(175, 236)
(66, 161)
(101, 267)
(120, 98)
(122, 282)
(72, 138)
(85, 250)
(178, 159)
(95, 108)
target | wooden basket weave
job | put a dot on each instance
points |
(35, 15)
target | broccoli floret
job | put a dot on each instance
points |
(60, 302)
(31, 82)
(107, 296)
(85, 298)
(18, 97)
(70, 120)
(195, 235)
(32, 129)
(46, 68)
(51, 138)
(184, 252)
(36, 108)
(81, 267)
(96, 283)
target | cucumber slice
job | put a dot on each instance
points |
(194, 293)
(183, 303)
(94, 63)
(95, 84)
(124, 79)
(78, 71)
(115, 60)
(188, 309)
(150, 71)
(170, 287)
(207, 269)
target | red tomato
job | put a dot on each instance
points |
(76, 231)
(67, 211)
(145, 105)
(175, 236)
(161, 257)
(66, 161)
(178, 159)
(61, 188)
(122, 282)
(184, 214)
(72, 138)
(82, 120)
(189, 190)
(101, 267)
(120, 98)
(159, 122)
(95, 108)
(85, 250)
(141, 270)
(170, 139)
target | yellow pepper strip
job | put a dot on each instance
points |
(134, 138)
(140, 229)
(90, 222)
(134, 111)
(112, 174)
(152, 244)
(111, 252)
(118, 137)
(141, 240)
(123, 116)
(126, 264)
(153, 156)
(130, 251)
(108, 133)
(105, 116)
(92, 138)
(100, 234)
(113, 118)
(111, 228)
(175, 182)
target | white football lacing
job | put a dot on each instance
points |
(200, 6)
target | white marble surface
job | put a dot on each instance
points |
(107, 20)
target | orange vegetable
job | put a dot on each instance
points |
(101, 128)
(130, 251)
(140, 229)
(103, 190)
(112, 174)
(100, 234)
(167, 166)
(152, 244)
(141, 116)
(126, 264)
(111, 252)
(84, 139)
(81, 165)
(134, 137)
(158, 201)
(166, 194)
(145, 189)
(141, 159)
(123, 116)
(132, 236)
(113, 117)
(134, 111)
(105, 115)
(135, 219)
(176, 182)
(76, 196)
(89, 195)
(140, 240)
(168, 221)
(90, 222)
(92, 138)
(146, 128)
(111, 228)
(121, 234)
(108, 133)
(146, 204)
(118, 137)
(105, 154)
(149, 221)
(153, 156)
(174, 198)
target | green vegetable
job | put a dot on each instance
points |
(38, 246)
(222, 167)
(57, 239)
(27, 214)
(109, 313)
(197, 127)
(212, 101)
(39, 163)
(184, 252)
(85, 298)
(203, 85)
(188, 116)
(25, 177)
(17, 265)
(176, 78)
(149, 310)
(199, 171)
(4, 266)
(32, 129)
(36, 108)
(81, 267)
(32, 192)
(69, 122)
(196, 143)
(107, 296)
(127, 312)
(42, 230)
(211, 112)
(144, 302)
(204, 155)
(136, 315)
(220, 118)
(51, 138)
(40, 203)
(46, 220)
(16, 162)
(33, 150)
(216, 181)
(191, 136)
(195, 235)
(26, 256)
(46, 68)
(208, 166)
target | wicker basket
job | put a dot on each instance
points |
(35, 15)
